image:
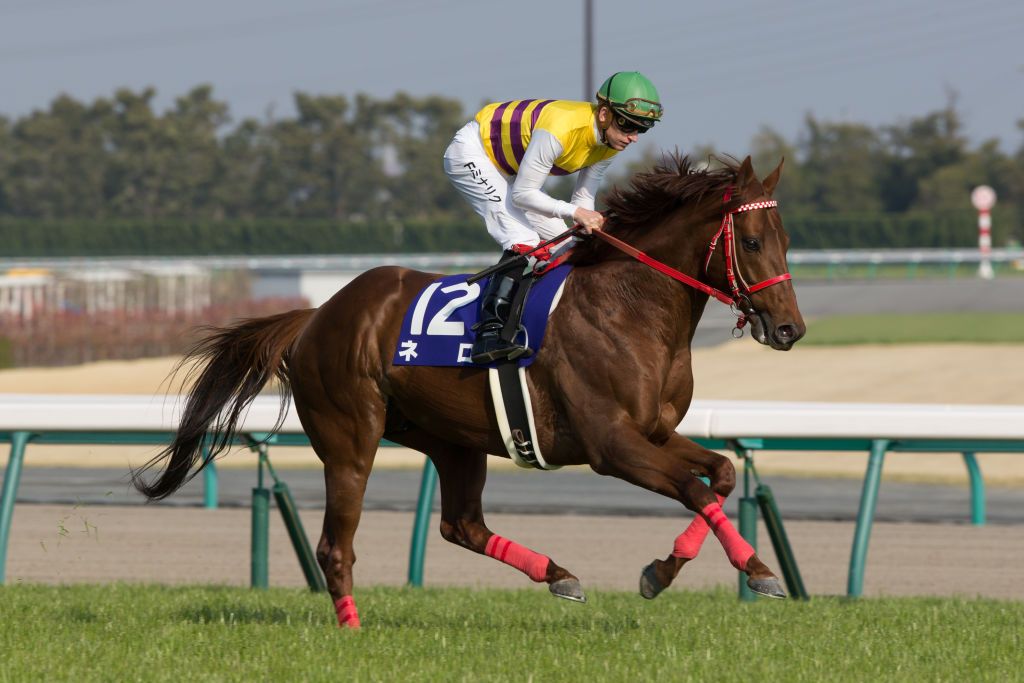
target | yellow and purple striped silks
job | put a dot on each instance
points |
(506, 128)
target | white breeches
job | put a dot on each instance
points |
(486, 188)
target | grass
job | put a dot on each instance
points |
(1007, 328)
(122, 632)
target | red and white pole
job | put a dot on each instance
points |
(984, 198)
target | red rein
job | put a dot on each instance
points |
(740, 289)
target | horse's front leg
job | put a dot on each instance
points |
(674, 470)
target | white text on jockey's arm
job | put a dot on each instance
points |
(534, 169)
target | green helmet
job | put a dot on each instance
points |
(632, 97)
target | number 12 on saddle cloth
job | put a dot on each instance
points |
(437, 327)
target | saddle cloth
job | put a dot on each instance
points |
(437, 328)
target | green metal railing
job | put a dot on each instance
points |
(258, 442)
(755, 493)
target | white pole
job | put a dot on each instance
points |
(984, 198)
(985, 245)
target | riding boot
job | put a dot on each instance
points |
(495, 306)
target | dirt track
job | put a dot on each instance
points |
(55, 544)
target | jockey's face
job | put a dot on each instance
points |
(616, 138)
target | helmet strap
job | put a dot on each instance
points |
(603, 127)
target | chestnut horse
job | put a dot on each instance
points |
(609, 386)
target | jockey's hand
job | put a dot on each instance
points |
(588, 220)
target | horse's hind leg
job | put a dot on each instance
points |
(462, 474)
(347, 445)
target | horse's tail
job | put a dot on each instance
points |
(233, 364)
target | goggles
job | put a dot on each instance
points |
(628, 127)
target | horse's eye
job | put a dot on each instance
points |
(751, 244)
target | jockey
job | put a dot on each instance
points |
(500, 160)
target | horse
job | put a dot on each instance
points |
(609, 385)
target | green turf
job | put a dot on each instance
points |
(916, 329)
(120, 633)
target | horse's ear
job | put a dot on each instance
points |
(746, 173)
(772, 179)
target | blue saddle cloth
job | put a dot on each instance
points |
(437, 329)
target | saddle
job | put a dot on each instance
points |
(437, 331)
(510, 394)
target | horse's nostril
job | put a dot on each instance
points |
(785, 333)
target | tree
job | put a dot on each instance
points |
(141, 153)
(244, 183)
(412, 135)
(918, 149)
(768, 148)
(57, 162)
(326, 157)
(6, 157)
(192, 127)
(841, 166)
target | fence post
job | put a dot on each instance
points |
(286, 504)
(780, 542)
(210, 494)
(977, 490)
(424, 508)
(865, 517)
(12, 478)
(747, 515)
(259, 573)
(748, 530)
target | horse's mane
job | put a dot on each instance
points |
(669, 185)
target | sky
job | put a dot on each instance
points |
(724, 70)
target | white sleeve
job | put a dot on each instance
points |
(587, 183)
(534, 169)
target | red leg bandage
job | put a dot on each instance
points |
(688, 543)
(525, 560)
(738, 550)
(348, 616)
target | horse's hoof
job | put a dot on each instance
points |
(570, 589)
(650, 587)
(770, 588)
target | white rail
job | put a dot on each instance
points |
(705, 419)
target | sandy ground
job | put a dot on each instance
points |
(57, 544)
(948, 373)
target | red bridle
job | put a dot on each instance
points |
(739, 287)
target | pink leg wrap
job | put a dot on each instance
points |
(525, 560)
(738, 550)
(688, 543)
(348, 616)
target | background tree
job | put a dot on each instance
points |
(6, 158)
(192, 128)
(840, 164)
(365, 174)
(917, 150)
(768, 148)
(413, 134)
(56, 161)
